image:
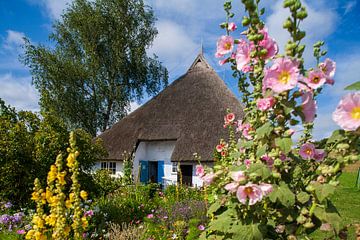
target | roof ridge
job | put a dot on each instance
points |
(200, 59)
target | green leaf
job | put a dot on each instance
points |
(282, 193)
(264, 130)
(260, 170)
(261, 151)
(214, 207)
(223, 221)
(246, 144)
(323, 191)
(303, 197)
(336, 136)
(284, 144)
(354, 86)
(246, 232)
(329, 215)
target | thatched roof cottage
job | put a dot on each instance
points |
(187, 117)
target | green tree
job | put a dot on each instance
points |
(29, 143)
(98, 64)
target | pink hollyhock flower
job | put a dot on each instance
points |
(21, 231)
(282, 75)
(328, 68)
(232, 26)
(268, 160)
(225, 45)
(266, 188)
(308, 106)
(243, 56)
(347, 113)
(238, 176)
(264, 104)
(244, 129)
(269, 44)
(249, 191)
(307, 151)
(199, 170)
(220, 147)
(150, 216)
(319, 155)
(209, 178)
(229, 119)
(231, 187)
(315, 79)
(247, 163)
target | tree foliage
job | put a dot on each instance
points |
(29, 144)
(99, 63)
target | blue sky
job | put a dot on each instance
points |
(182, 26)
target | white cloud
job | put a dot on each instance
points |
(13, 40)
(52, 8)
(174, 46)
(18, 92)
(320, 23)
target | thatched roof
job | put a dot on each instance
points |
(190, 110)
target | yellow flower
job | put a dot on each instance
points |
(84, 222)
(83, 194)
(70, 160)
(61, 178)
(51, 220)
(34, 196)
(48, 195)
(72, 197)
(67, 231)
(30, 234)
(68, 204)
(52, 173)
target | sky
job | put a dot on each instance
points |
(183, 26)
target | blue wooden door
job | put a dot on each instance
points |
(161, 173)
(144, 171)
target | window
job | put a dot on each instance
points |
(174, 167)
(111, 166)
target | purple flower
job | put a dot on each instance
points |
(89, 213)
(8, 205)
(201, 227)
(4, 219)
(27, 227)
(20, 231)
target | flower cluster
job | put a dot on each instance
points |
(262, 178)
(65, 217)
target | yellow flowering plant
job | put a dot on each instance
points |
(59, 214)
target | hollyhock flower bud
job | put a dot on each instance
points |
(222, 62)
(232, 26)
(264, 104)
(282, 75)
(347, 113)
(269, 44)
(200, 170)
(307, 151)
(308, 106)
(289, 132)
(225, 45)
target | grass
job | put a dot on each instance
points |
(347, 201)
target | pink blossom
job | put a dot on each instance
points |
(269, 44)
(269, 160)
(282, 75)
(266, 188)
(244, 129)
(249, 191)
(247, 163)
(21, 231)
(264, 104)
(238, 176)
(307, 151)
(231, 187)
(208, 178)
(232, 26)
(328, 68)
(319, 155)
(243, 56)
(347, 113)
(225, 45)
(315, 79)
(201, 227)
(200, 170)
(229, 119)
(150, 216)
(308, 106)
(220, 147)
